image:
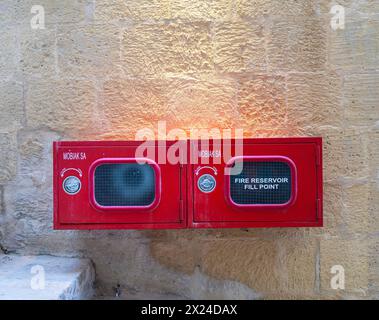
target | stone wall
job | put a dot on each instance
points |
(104, 69)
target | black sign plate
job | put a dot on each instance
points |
(262, 183)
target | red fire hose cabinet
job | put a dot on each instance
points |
(273, 182)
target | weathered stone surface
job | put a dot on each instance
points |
(55, 11)
(201, 10)
(138, 10)
(273, 266)
(361, 98)
(8, 52)
(2, 206)
(109, 133)
(11, 105)
(297, 45)
(374, 270)
(133, 104)
(201, 103)
(344, 153)
(62, 105)
(350, 209)
(88, 50)
(8, 156)
(359, 214)
(353, 256)
(315, 100)
(31, 148)
(155, 10)
(373, 154)
(355, 47)
(260, 8)
(166, 48)
(29, 196)
(45, 278)
(38, 52)
(366, 6)
(374, 207)
(8, 12)
(184, 10)
(239, 46)
(261, 102)
(167, 253)
(333, 207)
(326, 5)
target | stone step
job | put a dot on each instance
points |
(45, 278)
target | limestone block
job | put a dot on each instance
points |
(373, 155)
(326, 5)
(112, 133)
(29, 196)
(315, 100)
(373, 204)
(260, 8)
(353, 256)
(138, 10)
(179, 255)
(2, 205)
(62, 105)
(350, 209)
(8, 156)
(366, 6)
(356, 46)
(207, 102)
(11, 105)
(298, 44)
(166, 48)
(345, 153)
(261, 102)
(133, 104)
(269, 266)
(45, 278)
(239, 47)
(374, 270)
(88, 50)
(333, 207)
(361, 98)
(359, 208)
(353, 9)
(8, 12)
(210, 10)
(8, 53)
(55, 11)
(38, 52)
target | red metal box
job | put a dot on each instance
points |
(221, 184)
(277, 183)
(102, 185)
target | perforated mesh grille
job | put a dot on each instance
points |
(262, 183)
(124, 184)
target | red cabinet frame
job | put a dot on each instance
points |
(215, 210)
(79, 211)
(179, 202)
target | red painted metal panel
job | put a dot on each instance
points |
(179, 202)
(215, 210)
(78, 212)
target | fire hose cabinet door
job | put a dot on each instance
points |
(273, 183)
(104, 185)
